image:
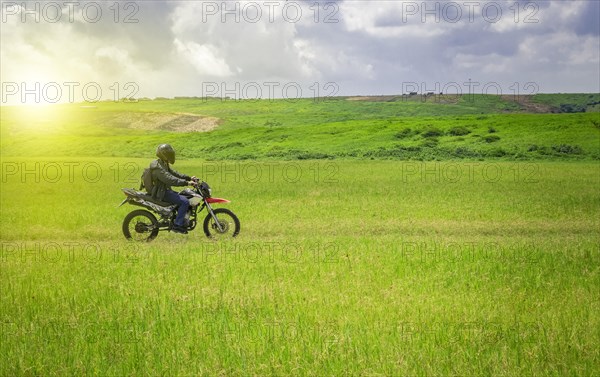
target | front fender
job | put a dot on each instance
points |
(217, 200)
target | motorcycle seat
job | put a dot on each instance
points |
(155, 201)
(144, 196)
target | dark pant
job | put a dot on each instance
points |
(183, 203)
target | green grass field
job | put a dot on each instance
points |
(373, 264)
(477, 127)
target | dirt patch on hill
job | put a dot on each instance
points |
(175, 122)
(525, 101)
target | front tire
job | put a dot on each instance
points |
(141, 226)
(229, 222)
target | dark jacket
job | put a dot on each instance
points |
(163, 177)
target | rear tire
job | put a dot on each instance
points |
(228, 221)
(140, 226)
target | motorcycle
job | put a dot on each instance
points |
(143, 225)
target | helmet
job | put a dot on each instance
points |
(166, 153)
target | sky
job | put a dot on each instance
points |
(88, 50)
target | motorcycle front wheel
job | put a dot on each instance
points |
(141, 226)
(230, 224)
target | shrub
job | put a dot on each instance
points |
(459, 131)
(491, 138)
(464, 152)
(431, 131)
(314, 156)
(496, 152)
(396, 152)
(567, 149)
(572, 108)
(430, 143)
(243, 157)
(520, 156)
(353, 153)
(543, 150)
(407, 132)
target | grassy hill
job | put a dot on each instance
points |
(553, 126)
(346, 267)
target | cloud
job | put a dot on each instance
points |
(365, 47)
(204, 58)
(587, 21)
(260, 50)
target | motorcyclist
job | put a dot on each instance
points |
(163, 177)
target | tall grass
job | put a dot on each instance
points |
(341, 268)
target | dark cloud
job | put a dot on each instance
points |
(588, 22)
(142, 28)
(487, 42)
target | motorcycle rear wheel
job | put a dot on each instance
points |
(140, 226)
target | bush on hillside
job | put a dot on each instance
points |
(405, 133)
(567, 149)
(431, 131)
(491, 138)
(459, 131)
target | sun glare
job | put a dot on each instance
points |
(38, 117)
(36, 89)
